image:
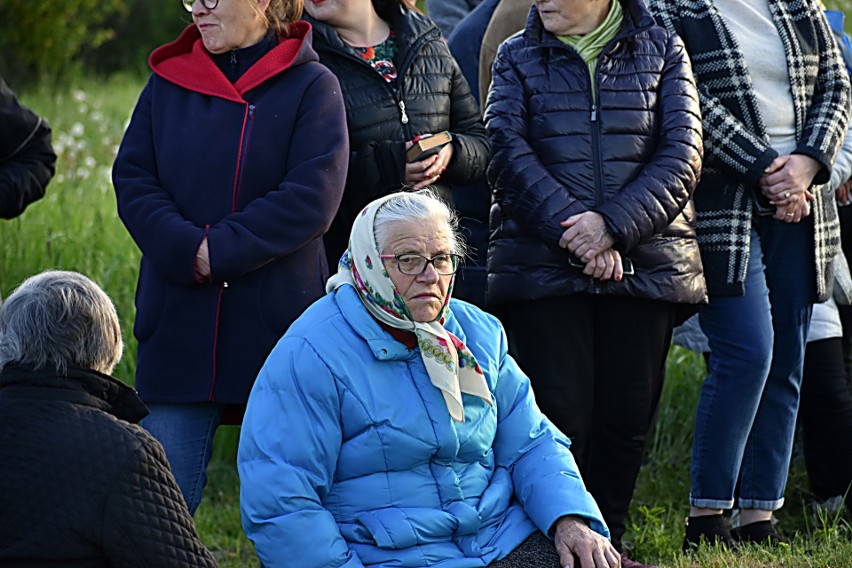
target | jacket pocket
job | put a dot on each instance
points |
(150, 302)
(399, 528)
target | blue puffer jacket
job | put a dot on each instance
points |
(348, 456)
(630, 151)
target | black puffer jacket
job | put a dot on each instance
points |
(27, 160)
(432, 95)
(633, 154)
(79, 486)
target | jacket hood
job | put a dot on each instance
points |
(637, 18)
(186, 63)
(79, 386)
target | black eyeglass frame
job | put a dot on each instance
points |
(455, 258)
(209, 4)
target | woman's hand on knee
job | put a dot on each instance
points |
(581, 547)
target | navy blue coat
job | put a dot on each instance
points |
(257, 167)
(631, 152)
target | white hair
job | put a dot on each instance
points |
(423, 205)
(57, 320)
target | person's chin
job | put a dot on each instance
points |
(425, 309)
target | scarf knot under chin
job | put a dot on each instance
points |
(451, 366)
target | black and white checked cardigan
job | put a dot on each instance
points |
(736, 147)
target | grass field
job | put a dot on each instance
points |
(76, 228)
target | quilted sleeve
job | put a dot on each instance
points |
(145, 520)
(522, 186)
(289, 444)
(537, 455)
(650, 202)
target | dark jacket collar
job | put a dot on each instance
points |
(79, 386)
(637, 19)
(186, 63)
(409, 25)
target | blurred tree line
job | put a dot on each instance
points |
(50, 38)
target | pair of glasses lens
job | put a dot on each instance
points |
(209, 4)
(415, 264)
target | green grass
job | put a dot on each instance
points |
(76, 228)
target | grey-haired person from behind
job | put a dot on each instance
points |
(81, 483)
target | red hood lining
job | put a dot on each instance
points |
(185, 62)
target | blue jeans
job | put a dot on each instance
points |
(746, 415)
(186, 433)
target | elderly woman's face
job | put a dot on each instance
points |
(424, 294)
(232, 24)
(572, 17)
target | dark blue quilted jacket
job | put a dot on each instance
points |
(632, 152)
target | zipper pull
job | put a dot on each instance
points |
(404, 118)
(233, 58)
(251, 112)
(594, 113)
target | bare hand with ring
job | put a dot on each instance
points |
(586, 235)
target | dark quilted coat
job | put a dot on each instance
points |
(632, 153)
(79, 485)
(435, 97)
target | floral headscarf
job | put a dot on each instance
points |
(451, 366)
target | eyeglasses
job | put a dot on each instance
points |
(209, 4)
(415, 264)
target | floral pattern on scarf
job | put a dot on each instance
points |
(451, 366)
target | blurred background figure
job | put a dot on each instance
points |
(509, 17)
(775, 104)
(399, 83)
(27, 159)
(448, 13)
(594, 119)
(81, 484)
(472, 201)
(825, 413)
(227, 188)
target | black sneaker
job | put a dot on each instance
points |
(761, 532)
(710, 530)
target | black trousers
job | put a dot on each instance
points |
(825, 417)
(537, 551)
(596, 364)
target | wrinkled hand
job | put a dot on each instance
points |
(794, 211)
(844, 192)
(427, 171)
(585, 235)
(787, 177)
(605, 265)
(580, 547)
(202, 261)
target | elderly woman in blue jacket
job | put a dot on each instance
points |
(595, 124)
(390, 427)
(230, 172)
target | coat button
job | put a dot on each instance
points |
(224, 284)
